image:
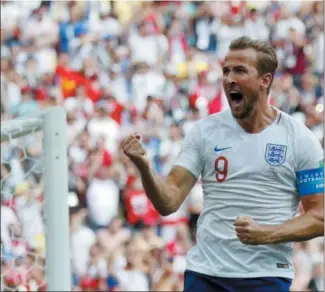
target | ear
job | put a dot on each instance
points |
(266, 81)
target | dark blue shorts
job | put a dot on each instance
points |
(199, 282)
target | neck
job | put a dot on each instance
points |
(262, 116)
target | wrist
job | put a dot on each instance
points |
(143, 165)
(269, 232)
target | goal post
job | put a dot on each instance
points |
(52, 123)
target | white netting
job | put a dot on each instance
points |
(22, 220)
(19, 128)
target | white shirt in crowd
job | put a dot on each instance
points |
(107, 128)
(9, 221)
(144, 84)
(118, 89)
(102, 201)
(257, 29)
(319, 53)
(169, 149)
(133, 280)
(147, 49)
(283, 26)
(109, 27)
(13, 12)
(81, 241)
(225, 35)
(29, 212)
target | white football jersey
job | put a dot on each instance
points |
(246, 174)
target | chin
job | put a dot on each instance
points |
(241, 115)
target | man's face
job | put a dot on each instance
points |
(143, 29)
(241, 82)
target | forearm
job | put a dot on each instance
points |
(162, 196)
(302, 228)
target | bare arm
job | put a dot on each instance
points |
(167, 196)
(305, 227)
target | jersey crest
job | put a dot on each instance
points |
(275, 154)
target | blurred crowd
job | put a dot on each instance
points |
(121, 67)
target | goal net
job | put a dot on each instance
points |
(35, 249)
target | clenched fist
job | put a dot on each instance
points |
(249, 231)
(133, 148)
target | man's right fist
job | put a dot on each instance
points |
(133, 148)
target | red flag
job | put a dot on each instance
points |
(71, 79)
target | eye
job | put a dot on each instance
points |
(239, 70)
(225, 71)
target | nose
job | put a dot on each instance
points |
(230, 80)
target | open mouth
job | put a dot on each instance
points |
(236, 98)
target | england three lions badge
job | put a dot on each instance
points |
(275, 154)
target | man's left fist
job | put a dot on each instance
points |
(249, 232)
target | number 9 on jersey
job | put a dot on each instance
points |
(221, 167)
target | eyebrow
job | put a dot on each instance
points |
(236, 66)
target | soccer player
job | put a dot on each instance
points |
(256, 164)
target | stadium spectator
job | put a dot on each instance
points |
(151, 67)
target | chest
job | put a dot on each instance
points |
(259, 158)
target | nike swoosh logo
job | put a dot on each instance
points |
(221, 149)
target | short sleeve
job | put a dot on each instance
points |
(310, 151)
(310, 169)
(190, 155)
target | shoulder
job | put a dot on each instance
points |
(307, 148)
(209, 126)
(296, 128)
(220, 119)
